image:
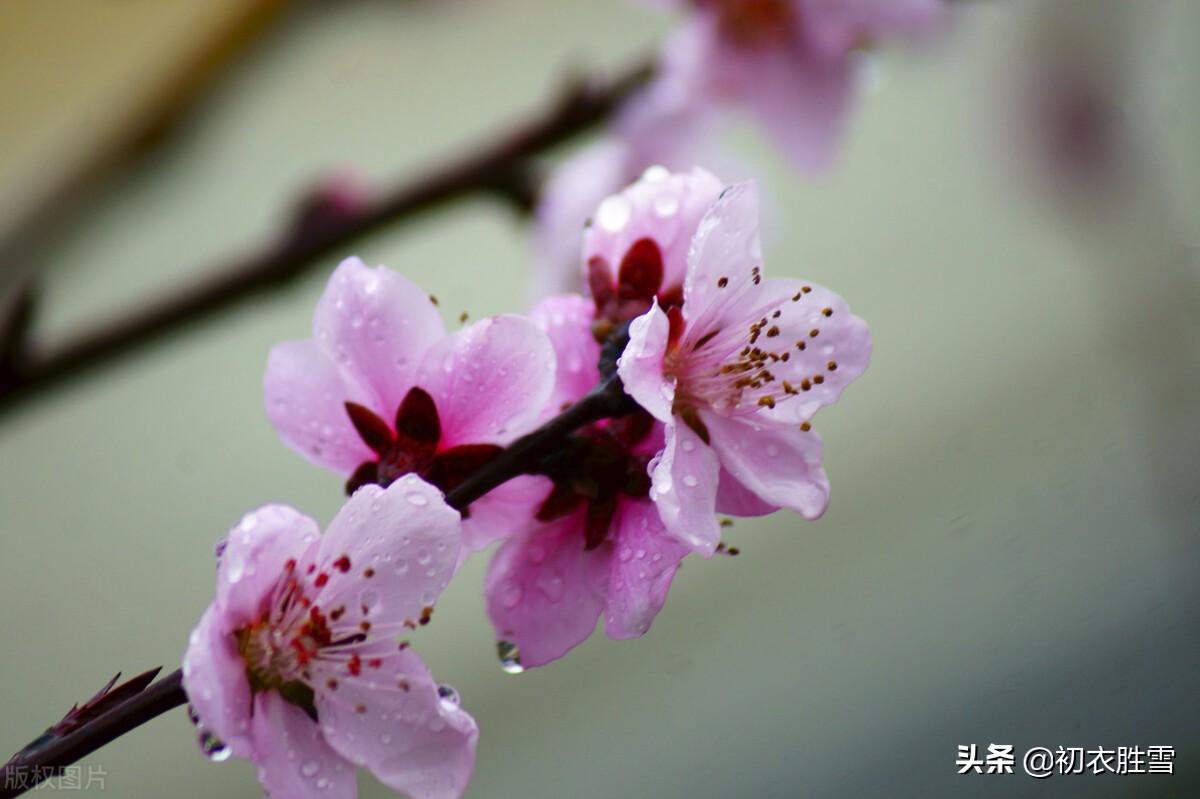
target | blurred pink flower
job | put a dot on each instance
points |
(597, 546)
(381, 391)
(789, 62)
(295, 667)
(736, 372)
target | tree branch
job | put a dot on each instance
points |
(501, 168)
(40, 762)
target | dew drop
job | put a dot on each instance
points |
(323, 783)
(418, 499)
(666, 206)
(510, 657)
(656, 174)
(614, 213)
(448, 696)
(310, 768)
(689, 445)
(213, 748)
(690, 480)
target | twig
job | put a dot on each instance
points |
(501, 168)
(523, 456)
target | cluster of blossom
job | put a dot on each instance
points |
(793, 66)
(297, 664)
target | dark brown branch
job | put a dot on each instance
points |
(523, 456)
(324, 228)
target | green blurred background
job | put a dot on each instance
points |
(1011, 551)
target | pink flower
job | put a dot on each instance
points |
(294, 665)
(597, 546)
(636, 247)
(790, 62)
(381, 391)
(736, 373)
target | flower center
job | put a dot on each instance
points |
(729, 368)
(753, 24)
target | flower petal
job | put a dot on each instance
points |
(827, 346)
(305, 398)
(292, 757)
(737, 500)
(253, 558)
(490, 381)
(803, 104)
(566, 320)
(393, 722)
(544, 591)
(723, 264)
(779, 463)
(640, 572)
(214, 677)
(503, 510)
(684, 488)
(641, 364)
(376, 325)
(401, 546)
(662, 206)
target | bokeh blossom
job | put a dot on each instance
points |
(295, 665)
(597, 546)
(791, 63)
(736, 373)
(381, 391)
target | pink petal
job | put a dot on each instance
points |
(641, 364)
(829, 362)
(779, 463)
(376, 325)
(803, 103)
(833, 28)
(253, 559)
(214, 677)
(641, 570)
(661, 206)
(490, 381)
(720, 287)
(568, 199)
(737, 500)
(305, 398)
(393, 721)
(567, 322)
(544, 592)
(292, 757)
(684, 488)
(402, 544)
(504, 509)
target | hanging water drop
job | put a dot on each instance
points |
(448, 696)
(510, 657)
(213, 747)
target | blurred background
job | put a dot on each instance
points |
(1011, 552)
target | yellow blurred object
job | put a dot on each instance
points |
(84, 82)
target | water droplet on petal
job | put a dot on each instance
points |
(689, 445)
(614, 213)
(656, 174)
(666, 206)
(417, 498)
(449, 697)
(213, 748)
(310, 768)
(510, 657)
(690, 480)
